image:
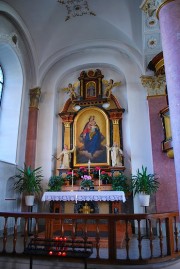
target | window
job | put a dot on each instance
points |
(1, 83)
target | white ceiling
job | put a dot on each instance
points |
(117, 21)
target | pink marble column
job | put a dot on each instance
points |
(32, 128)
(163, 166)
(169, 18)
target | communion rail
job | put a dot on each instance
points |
(116, 238)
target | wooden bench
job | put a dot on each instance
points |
(59, 247)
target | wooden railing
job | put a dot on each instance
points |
(117, 238)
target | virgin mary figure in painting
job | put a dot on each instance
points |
(91, 137)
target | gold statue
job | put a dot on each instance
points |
(109, 86)
(71, 90)
(86, 209)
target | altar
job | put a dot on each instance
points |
(85, 201)
(84, 196)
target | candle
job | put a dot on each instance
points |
(89, 163)
(72, 178)
(76, 198)
(99, 176)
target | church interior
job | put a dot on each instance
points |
(90, 85)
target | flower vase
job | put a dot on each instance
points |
(87, 188)
(105, 181)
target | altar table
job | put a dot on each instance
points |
(84, 196)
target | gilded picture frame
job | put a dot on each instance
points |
(91, 135)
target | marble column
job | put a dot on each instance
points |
(157, 100)
(168, 13)
(32, 127)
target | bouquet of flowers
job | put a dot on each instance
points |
(82, 171)
(69, 177)
(106, 177)
(86, 181)
(96, 171)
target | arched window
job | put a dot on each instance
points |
(1, 83)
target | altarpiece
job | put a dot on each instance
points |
(90, 110)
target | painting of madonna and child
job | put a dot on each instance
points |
(92, 133)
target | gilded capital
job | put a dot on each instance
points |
(150, 7)
(115, 121)
(155, 85)
(34, 97)
(67, 124)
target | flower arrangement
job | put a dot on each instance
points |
(69, 177)
(120, 182)
(55, 183)
(106, 177)
(86, 181)
(95, 171)
(82, 170)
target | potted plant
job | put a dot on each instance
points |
(96, 171)
(68, 178)
(120, 183)
(28, 182)
(144, 185)
(55, 183)
(106, 177)
(82, 171)
(86, 182)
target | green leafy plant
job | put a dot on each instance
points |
(145, 183)
(55, 183)
(28, 180)
(120, 183)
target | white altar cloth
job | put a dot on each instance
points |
(84, 196)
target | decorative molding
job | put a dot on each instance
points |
(155, 85)
(34, 97)
(152, 7)
(76, 8)
(151, 34)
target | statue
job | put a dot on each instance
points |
(109, 86)
(71, 90)
(116, 154)
(65, 157)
